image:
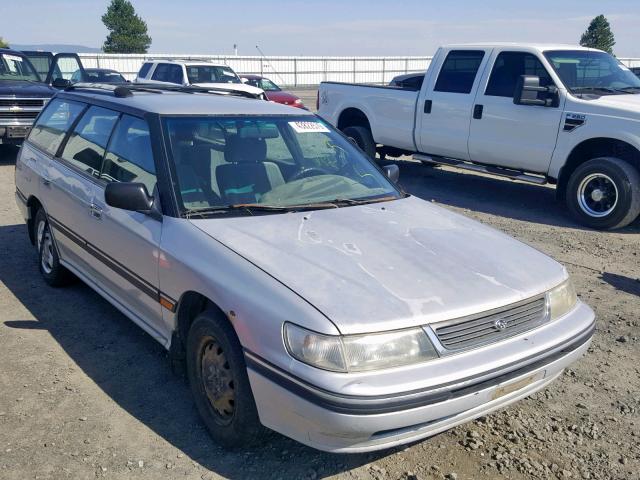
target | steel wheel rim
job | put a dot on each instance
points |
(217, 380)
(597, 195)
(45, 247)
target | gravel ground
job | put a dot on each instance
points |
(84, 393)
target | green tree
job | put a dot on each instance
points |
(3, 43)
(599, 35)
(127, 31)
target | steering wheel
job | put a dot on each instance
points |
(305, 172)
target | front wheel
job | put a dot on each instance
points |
(219, 382)
(604, 193)
(48, 260)
(362, 137)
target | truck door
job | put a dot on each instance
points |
(62, 69)
(444, 109)
(505, 134)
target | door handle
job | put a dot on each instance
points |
(477, 111)
(46, 181)
(95, 211)
(427, 106)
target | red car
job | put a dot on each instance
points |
(273, 92)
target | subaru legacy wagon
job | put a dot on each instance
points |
(303, 290)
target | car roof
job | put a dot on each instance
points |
(188, 62)
(251, 76)
(180, 103)
(540, 47)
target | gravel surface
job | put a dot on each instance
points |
(84, 393)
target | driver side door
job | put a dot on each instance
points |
(64, 67)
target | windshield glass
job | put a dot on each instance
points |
(278, 162)
(268, 86)
(583, 71)
(16, 67)
(211, 74)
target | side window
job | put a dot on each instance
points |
(459, 71)
(86, 145)
(144, 70)
(53, 123)
(129, 157)
(161, 73)
(175, 74)
(509, 67)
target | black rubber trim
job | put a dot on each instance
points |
(130, 276)
(21, 196)
(372, 405)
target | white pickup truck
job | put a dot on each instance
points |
(565, 115)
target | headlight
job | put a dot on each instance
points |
(358, 353)
(562, 299)
(297, 101)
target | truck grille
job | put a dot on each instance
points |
(14, 115)
(471, 332)
(22, 102)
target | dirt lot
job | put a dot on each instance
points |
(84, 393)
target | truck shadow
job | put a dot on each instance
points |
(624, 284)
(8, 154)
(133, 370)
(479, 193)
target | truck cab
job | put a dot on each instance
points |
(541, 113)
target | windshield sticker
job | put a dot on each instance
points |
(309, 127)
(12, 57)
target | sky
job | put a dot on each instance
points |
(327, 27)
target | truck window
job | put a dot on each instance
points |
(53, 123)
(459, 71)
(509, 67)
(129, 157)
(144, 70)
(86, 145)
(163, 72)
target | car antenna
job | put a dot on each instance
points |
(270, 65)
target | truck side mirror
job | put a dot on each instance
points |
(527, 89)
(392, 172)
(60, 83)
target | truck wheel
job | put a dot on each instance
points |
(363, 139)
(604, 193)
(48, 260)
(219, 382)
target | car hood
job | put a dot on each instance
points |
(617, 105)
(20, 88)
(281, 97)
(389, 265)
(232, 86)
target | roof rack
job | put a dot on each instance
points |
(123, 90)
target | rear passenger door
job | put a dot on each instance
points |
(128, 242)
(505, 134)
(444, 112)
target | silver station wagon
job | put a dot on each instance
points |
(302, 289)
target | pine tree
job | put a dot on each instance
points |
(3, 43)
(599, 35)
(127, 31)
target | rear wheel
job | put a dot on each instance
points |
(604, 193)
(48, 260)
(219, 382)
(362, 137)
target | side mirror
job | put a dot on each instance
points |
(60, 83)
(130, 196)
(527, 89)
(392, 171)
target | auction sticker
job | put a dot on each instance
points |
(309, 127)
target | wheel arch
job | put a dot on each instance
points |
(353, 117)
(594, 148)
(33, 205)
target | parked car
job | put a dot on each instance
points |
(539, 113)
(304, 289)
(273, 92)
(23, 91)
(98, 75)
(409, 81)
(199, 74)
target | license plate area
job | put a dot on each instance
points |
(514, 385)
(17, 132)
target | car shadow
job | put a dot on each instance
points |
(8, 154)
(480, 193)
(624, 284)
(134, 371)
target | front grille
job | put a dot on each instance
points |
(471, 332)
(19, 115)
(22, 102)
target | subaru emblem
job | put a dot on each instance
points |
(500, 325)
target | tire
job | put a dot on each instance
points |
(212, 346)
(604, 193)
(363, 139)
(48, 259)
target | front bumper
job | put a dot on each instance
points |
(346, 423)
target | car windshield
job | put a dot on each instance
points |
(584, 71)
(255, 163)
(211, 74)
(268, 86)
(16, 67)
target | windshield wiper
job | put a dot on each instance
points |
(361, 201)
(250, 208)
(629, 89)
(594, 89)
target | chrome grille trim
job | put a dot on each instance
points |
(477, 330)
(22, 102)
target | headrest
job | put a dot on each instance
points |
(245, 150)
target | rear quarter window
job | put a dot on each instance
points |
(53, 124)
(144, 70)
